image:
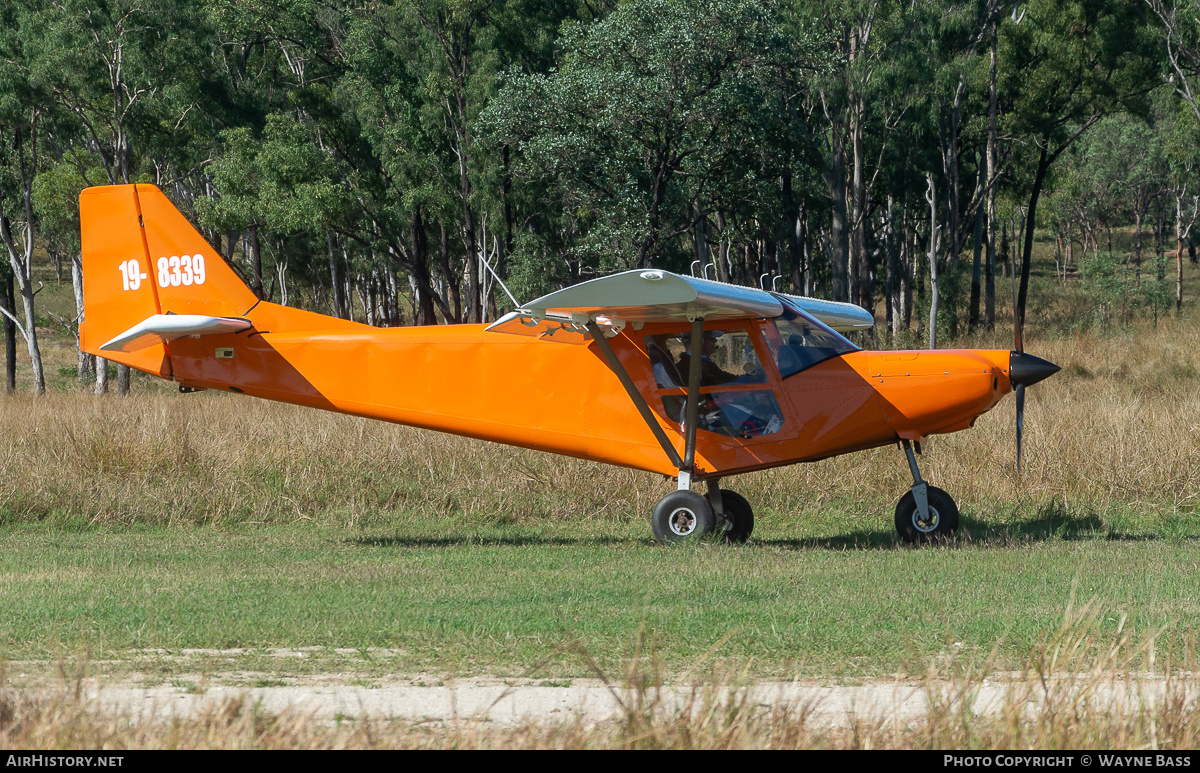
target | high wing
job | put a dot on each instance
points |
(641, 296)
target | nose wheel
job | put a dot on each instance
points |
(926, 513)
(938, 523)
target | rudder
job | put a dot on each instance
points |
(142, 257)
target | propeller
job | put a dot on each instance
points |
(1024, 369)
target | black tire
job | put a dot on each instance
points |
(740, 516)
(943, 514)
(681, 516)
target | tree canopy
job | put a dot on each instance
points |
(388, 160)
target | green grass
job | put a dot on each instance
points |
(438, 596)
(290, 542)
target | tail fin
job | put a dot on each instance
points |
(141, 257)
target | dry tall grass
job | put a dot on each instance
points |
(1114, 431)
(1065, 697)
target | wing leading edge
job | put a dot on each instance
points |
(637, 297)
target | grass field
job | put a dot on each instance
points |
(164, 521)
(515, 601)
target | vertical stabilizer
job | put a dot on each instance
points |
(189, 275)
(141, 257)
(118, 281)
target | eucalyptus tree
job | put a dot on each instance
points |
(1181, 147)
(112, 64)
(56, 204)
(278, 183)
(23, 108)
(450, 43)
(636, 137)
(857, 39)
(956, 39)
(277, 179)
(406, 187)
(1178, 25)
(1067, 65)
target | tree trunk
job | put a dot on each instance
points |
(989, 316)
(907, 274)
(255, 250)
(83, 365)
(976, 270)
(451, 279)
(101, 376)
(335, 279)
(420, 271)
(835, 180)
(1030, 219)
(891, 317)
(1138, 217)
(931, 197)
(10, 336)
(1179, 276)
(859, 261)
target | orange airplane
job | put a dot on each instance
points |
(693, 379)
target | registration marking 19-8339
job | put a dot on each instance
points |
(174, 271)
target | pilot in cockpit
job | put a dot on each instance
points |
(711, 374)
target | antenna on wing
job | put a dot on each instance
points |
(775, 283)
(761, 284)
(694, 264)
(516, 303)
(707, 266)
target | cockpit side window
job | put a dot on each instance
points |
(798, 342)
(727, 357)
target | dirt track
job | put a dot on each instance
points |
(125, 687)
(330, 698)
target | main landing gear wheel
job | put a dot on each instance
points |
(681, 516)
(739, 515)
(942, 523)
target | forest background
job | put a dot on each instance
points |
(385, 161)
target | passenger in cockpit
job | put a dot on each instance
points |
(666, 375)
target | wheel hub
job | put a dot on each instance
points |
(925, 527)
(683, 521)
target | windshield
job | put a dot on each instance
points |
(797, 342)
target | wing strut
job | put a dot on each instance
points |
(644, 409)
(695, 352)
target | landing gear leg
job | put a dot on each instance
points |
(926, 512)
(734, 516)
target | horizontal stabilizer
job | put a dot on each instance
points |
(161, 328)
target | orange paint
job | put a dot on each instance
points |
(509, 389)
